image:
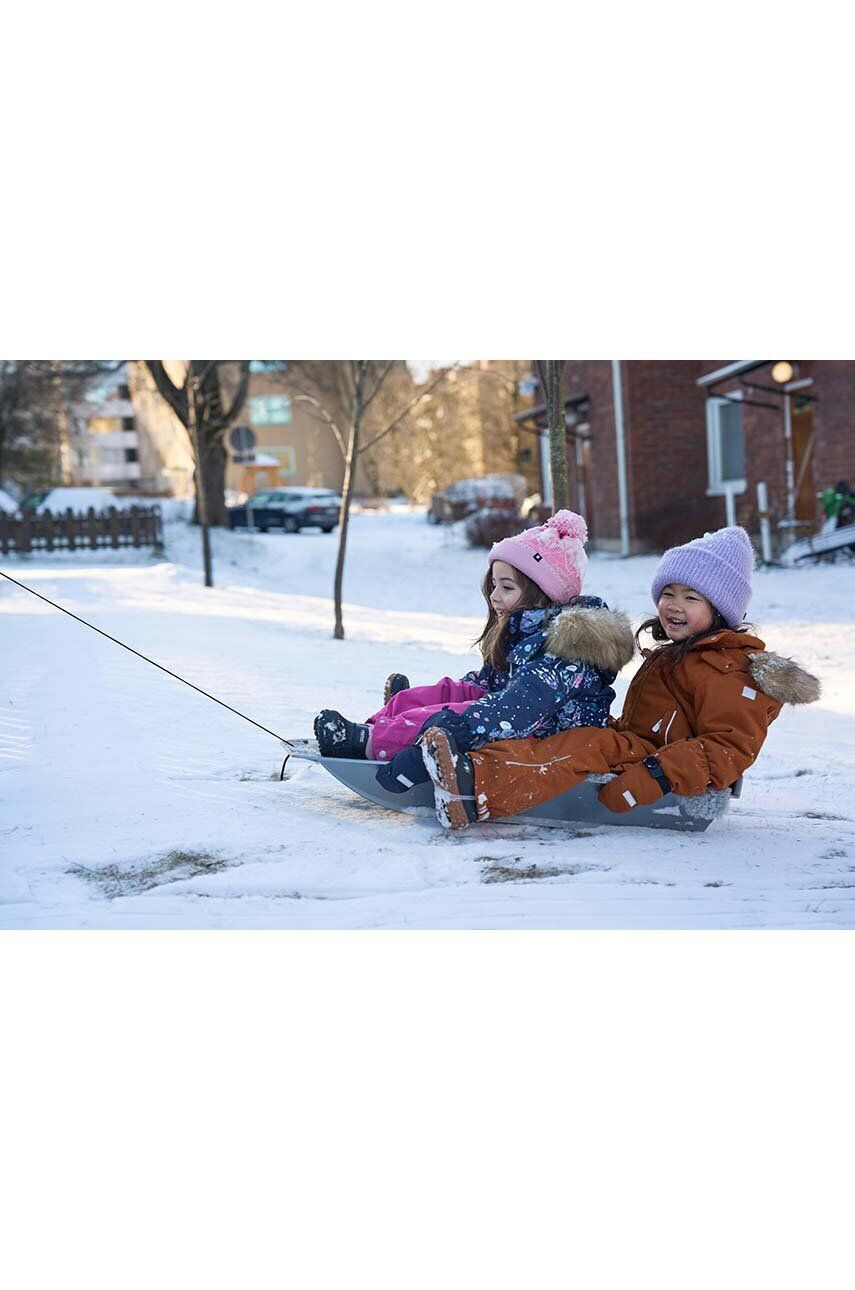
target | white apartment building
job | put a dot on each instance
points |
(123, 435)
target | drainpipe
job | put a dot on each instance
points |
(545, 469)
(621, 456)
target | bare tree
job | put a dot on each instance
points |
(550, 372)
(340, 395)
(201, 407)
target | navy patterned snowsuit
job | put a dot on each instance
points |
(540, 694)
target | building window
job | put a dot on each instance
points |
(267, 365)
(129, 423)
(270, 409)
(725, 445)
(131, 454)
(124, 391)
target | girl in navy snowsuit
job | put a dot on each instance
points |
(550, 657)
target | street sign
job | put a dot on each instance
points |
(242, 439)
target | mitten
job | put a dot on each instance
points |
(635, 787)
(454, 724)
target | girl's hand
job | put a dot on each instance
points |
(635, 787)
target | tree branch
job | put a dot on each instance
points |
(325, 418)
(380, 380)
(412, 403)
(240, 393)
(175, 397)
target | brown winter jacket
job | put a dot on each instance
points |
(707, 716)
(705, 719)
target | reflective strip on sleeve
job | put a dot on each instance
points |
(748, 693)
(629, 797)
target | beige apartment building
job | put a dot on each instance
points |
(305, 448)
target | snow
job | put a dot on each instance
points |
(486, 486)
(130, 801)
(7, 502)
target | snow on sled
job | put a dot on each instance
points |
(579, 805)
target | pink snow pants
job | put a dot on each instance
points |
(395, 727)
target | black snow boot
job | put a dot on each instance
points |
(394, 685)
(453, 778)
(338, 737)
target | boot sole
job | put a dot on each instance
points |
(441, 768)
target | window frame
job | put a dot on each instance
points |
(716, 485)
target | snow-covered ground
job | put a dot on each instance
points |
(129, 801)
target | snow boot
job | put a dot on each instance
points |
(403, 772)
(394, 685)
(338, 737)
(453, 779)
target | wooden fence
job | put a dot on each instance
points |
(79, 531)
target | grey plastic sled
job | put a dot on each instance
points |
(819, 545)
(580, 805)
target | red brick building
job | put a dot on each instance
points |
(660, 451)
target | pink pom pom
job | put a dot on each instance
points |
(568, 524)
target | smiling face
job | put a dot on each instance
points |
(683, 612)
(507, 592)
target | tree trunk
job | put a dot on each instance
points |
(214, 460)
(199, 475)
(549, 373)
(346, 494)
(557, 434)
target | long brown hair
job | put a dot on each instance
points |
(493, 641)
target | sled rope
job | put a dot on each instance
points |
(144, 657)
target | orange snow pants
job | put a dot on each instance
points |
(517, 774)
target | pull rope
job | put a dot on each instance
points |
(144, 657)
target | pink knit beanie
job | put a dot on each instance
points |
(552, 555)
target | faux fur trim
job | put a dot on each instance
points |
(782, 679)
(602, 637)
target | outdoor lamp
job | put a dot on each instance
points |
(783, 372)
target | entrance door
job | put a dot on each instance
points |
(801, 422)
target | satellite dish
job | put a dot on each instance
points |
(242, 439)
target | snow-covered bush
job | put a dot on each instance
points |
(491, 524)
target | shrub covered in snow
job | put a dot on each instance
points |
(490, 524)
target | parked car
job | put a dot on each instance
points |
(61, 499)
(457, 501)
(290, 509)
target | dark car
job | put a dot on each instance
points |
(290, 509)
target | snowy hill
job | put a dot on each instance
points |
(131, 801)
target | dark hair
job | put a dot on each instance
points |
(493, 641)
(677, 650)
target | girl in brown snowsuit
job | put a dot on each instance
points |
(696, 713)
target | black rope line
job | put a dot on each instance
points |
(144, 657)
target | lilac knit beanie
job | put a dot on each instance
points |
(718, 565)
(552, 555)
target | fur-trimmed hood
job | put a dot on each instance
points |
(783, 679)
(602, 637)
